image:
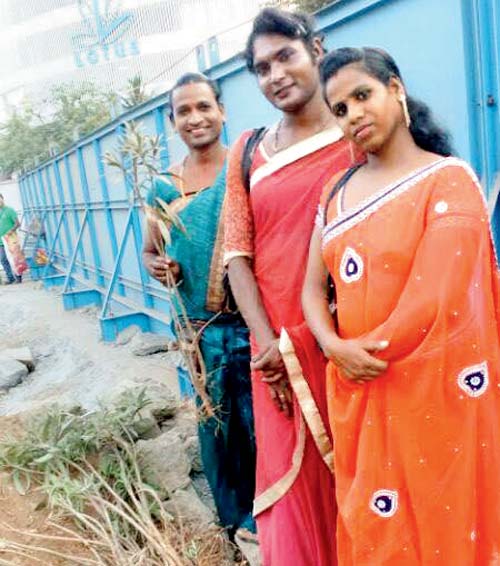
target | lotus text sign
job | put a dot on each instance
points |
(104, 34)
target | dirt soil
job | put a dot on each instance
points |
(73, 366)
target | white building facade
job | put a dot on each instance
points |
(47, 42)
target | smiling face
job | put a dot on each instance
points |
(367, 110)
(286, 70)
(197, 116)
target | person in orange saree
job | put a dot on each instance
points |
(413, 373)
(267, 229)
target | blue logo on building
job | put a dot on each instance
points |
(103, 39)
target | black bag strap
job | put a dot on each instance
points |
(336, 188)
(248, 153)
(331, 292)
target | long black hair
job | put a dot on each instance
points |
(192, 78)
(381, 66)
(294, 25)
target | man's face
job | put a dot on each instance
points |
(286, 71)
(197, 116)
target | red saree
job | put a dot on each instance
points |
(295, 487)
(417, 451)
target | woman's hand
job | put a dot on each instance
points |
(270, 362)
(355, 358)
(158, 266)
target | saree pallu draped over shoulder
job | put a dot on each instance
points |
(417, 450)
(294, 504)
(198, 245)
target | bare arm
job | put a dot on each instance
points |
(239, 237)
(352, 357)
(268, 360)
(314, 296)
(247, 296)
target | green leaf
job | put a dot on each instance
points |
(17, 480)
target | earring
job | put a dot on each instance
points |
(406, 113)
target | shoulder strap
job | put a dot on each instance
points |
(248, 153)
(336, 188)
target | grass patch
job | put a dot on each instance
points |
(87, 467)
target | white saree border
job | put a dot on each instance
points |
(347, 219)
(306, 400)
(309, 414)
(294, 153)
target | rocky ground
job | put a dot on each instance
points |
(71, 366)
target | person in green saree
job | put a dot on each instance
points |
(195, 191)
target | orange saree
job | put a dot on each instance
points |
(272, 225)
(417, 451)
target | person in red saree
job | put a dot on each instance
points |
(413, 377)
(267, 229)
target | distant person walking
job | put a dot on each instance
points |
(9, 223)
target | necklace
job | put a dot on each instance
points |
(275, 145)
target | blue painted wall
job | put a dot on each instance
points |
(448, 52)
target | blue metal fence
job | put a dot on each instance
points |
(449, 54)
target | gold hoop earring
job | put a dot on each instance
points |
(404, 103)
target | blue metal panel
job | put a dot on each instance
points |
(105, 198)
(201, 58)
(64, 207)
(35, 190)
(162, 132)
(136, 266)
(482, 60)
(213, 51)
(93, 238)
(176, 149)
(239, 86)
(45, 207)
(72, 202)
(53, 213)
(111, 327)
(433, 68)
